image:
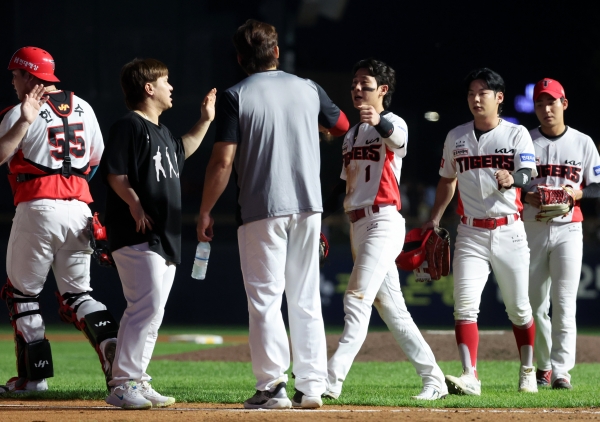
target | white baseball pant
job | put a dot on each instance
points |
(147, 280)
(50, 233)
(377, 239)
(280, 254)
(554, 274)
(505, 250)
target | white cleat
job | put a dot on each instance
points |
(23, 385)
(328, 394)
(527, 380)
(275, 398)
(431, 393)
(306, 402)
(157, 399)
(128, 396)
(466, 384)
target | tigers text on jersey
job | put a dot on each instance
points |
(371, 169)
(506, 147)
(571, 159)
(42, 147)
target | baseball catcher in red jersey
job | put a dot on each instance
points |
(52, 144)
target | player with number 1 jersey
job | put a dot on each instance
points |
(372, 159)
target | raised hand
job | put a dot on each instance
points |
(369, 115)
(30, 106)
(208, 105)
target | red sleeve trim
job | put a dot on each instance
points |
(342, 125)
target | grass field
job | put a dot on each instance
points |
(78, 376)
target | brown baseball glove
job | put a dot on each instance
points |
(555, 202)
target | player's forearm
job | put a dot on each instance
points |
(193, 139)
(10, 141)
(120, 184)
(217, 176)
(443, 195)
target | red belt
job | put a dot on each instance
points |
(488, 223)
(356, 215)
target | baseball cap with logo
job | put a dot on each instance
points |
(548, 86)
(36, 61)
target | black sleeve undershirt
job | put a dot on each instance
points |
(591, 191)
(521, 178)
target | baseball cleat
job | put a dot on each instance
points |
(275, 398)
(306, 402)
(466, 384)
(128, 396)
(330, 395)
(157, 399)
(543, 377)
(431, 393)
(561, 384)
(23, 385)
(527, 380)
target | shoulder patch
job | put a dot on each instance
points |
(597, 170)
(527, 157)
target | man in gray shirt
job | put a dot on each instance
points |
(267, 129)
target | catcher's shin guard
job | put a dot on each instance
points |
(97, 325)
(34, 360)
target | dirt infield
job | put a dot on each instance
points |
(381, 347)
(57, 411)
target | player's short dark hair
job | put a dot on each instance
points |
(383, 74)
(255, 43)
(492, 79)
(134, 77)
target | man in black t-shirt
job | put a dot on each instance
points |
(141, 164)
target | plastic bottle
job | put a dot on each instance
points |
(201, 261)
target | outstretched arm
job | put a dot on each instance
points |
(30, 106)
(193, 139)
(443, 195)
(215, 182)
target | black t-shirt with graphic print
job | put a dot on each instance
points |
(152, 158)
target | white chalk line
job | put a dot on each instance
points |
(212, 409)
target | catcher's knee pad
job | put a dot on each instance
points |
(99, 326)
(13, 297)
(38, 360)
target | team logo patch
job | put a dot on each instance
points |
(63, 107)
(597, 170)
(527, 157)
(462, 151)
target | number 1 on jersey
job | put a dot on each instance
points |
(368, 173)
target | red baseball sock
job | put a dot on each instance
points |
(525, 336)
(467, 339)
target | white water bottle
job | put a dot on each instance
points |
(201, 261)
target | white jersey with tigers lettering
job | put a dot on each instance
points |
(557, 249)
(572, 159)
(372, 172)
(475, 163)
(371, 169)
(41, 149)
